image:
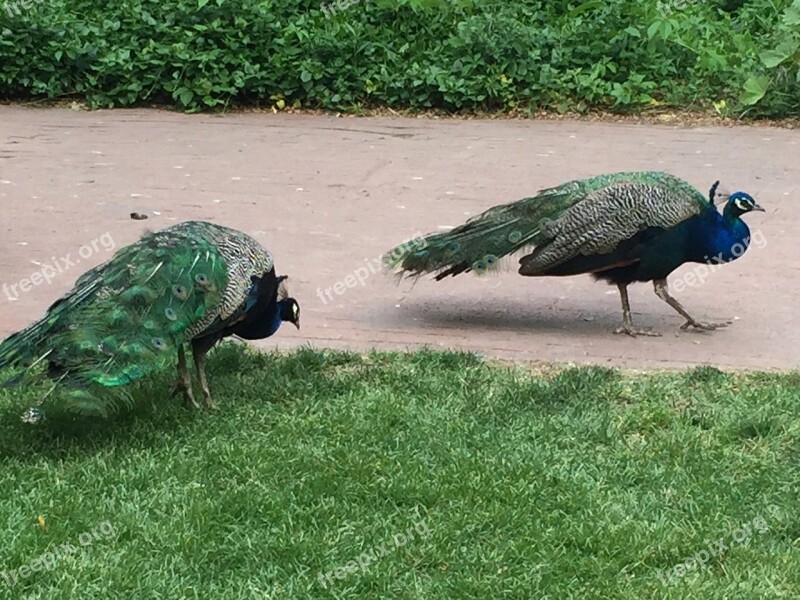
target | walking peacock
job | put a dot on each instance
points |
(195, 283)
(619, 227)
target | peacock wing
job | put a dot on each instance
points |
(612, 213)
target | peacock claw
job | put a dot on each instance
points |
(183, 385)
(627, 321)
(704, 326)
(210, 404)
(183, 389)
(634, 332)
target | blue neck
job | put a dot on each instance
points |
(271, 326)
(262, 324)
(726, 237)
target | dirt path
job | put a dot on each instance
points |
(328, 195)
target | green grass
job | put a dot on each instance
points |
(581, 483)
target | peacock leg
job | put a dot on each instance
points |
(660, 287)
(627, 322)
(184, 383)
(199, 351)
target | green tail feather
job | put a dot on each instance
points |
(479, 244)
(125, 318)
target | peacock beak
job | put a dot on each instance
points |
(297, 323)
(757, 207)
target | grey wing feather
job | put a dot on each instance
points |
(608, 216)
(244, 258)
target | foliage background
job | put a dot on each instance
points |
(459, 55)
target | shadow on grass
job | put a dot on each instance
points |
(152, 413)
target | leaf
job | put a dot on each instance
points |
(754, 90)
(305, 76)
(772, 58)
(792, 15)
(201, 3)
(185, 96)
(785, 50)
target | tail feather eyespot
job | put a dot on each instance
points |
(479, 266)
(180, 292)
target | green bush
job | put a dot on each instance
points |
(447, 54)
(782, 59)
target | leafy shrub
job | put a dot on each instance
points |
(451, 54)
(782, 58)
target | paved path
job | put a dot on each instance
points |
(328, 195)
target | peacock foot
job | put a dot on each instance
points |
(704, 326)
(210, 404)
(633, 332)
(185, 389)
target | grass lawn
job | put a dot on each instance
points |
(445, 476)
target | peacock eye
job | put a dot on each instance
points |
(514, 236)
(479, 266)
(180, 292)
(159, 343)
(201, 279)
(170, 314)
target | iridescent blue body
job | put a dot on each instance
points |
(708, 237)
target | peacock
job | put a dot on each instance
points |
(619, 227)
(193, 283)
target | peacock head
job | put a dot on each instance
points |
(740, 203)
(290, 311)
